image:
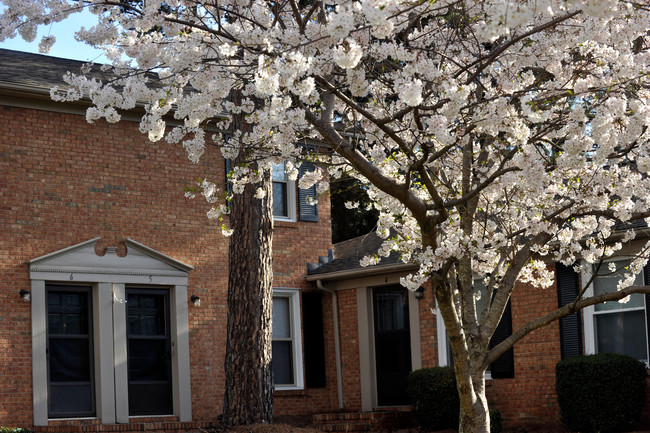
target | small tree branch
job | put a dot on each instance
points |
(500, 49)
(369, 170)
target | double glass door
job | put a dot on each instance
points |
(70, 352)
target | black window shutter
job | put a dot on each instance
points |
(504, 366)
(307, 212)
(568, 287)
(227, 165)
(314, 341)
(228, 168)
(646, 281)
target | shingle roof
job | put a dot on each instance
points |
(36, 71)
(347, 255)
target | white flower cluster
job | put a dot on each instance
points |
(499, 146)
(348, 54)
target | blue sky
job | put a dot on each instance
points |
(65, 45)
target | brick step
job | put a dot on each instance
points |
(362, 421)
(345, 427)
(153, 427)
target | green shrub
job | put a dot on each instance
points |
(495, 421)
(14, 430)
(600, 393)
(434, 398)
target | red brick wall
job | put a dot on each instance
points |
(428, 329)
(349, 328)
(530, 397)
(64, 181)
(314, 400)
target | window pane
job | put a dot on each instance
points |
(147, 360)
(71, 399)
(53, 299)
(146, 314)
(67, 313)
(279, 172)
(623, 333)
(280, 207)
(607, 283)
(69, 360)
(54, 323)
(282, 362)
(281, 318)
(392, 309)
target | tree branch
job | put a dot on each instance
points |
(567, 310)
(501, 48)
(369, 170)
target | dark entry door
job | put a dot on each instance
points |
(69, 352)
(392, 344)
(149, 352)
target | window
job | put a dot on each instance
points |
(286, 343)
(284, 198)
(615, 327)
(284, 194)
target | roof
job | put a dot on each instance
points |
(347, 255)
(37, 72)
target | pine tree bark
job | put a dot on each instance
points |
(248, 397)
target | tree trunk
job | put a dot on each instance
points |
(248, 397)
(477, 420)
(470, 376)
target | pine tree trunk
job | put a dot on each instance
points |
(248, 397)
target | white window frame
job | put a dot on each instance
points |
(291, 200)
(590, 313)
(294, 316)
(444, 351)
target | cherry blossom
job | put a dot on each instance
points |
(495, 137)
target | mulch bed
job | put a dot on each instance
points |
(304, 428)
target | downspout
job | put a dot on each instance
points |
(337, 341)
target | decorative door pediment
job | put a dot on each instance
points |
(140, 265)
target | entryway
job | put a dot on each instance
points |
(392, 344)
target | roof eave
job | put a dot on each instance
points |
(363, 272)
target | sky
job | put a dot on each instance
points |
(65, 45)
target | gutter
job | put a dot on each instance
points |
(337, 341)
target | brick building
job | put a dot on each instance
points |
(97, 233)
(388, 331)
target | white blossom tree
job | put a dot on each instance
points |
(495, 136)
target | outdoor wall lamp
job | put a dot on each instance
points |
(25, 295)
(419, 293)
(196, 300)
